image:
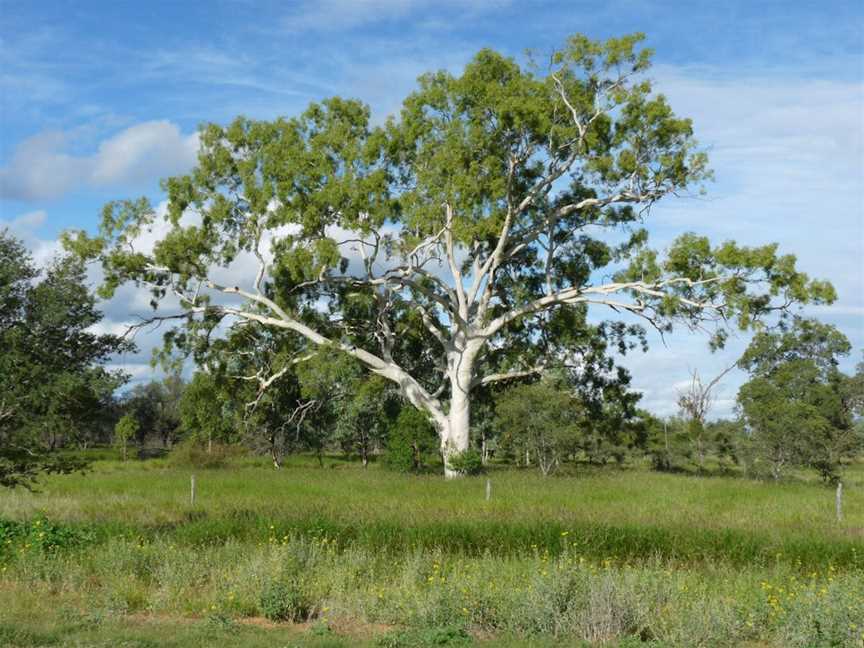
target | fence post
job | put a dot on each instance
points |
(192, 491)
(488, 489)
(838, 501)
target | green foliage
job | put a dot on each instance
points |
(126, 429)
(796, 403)
(468, 462)
(440, 636)
(367, 413)
(745, 280)
(542, 420)
(41, 535)
(411, 440)
(156, 406)
(53, 386)
(203, 412)
(670, 445)
(285, 600)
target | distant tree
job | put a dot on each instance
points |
(366, 414)
(279, 421)
(205, 411)
(126, 429)
(668, 443)
(541, 420)
(855, 392)
(53, 383)
(486, 433)
(156, 406)
(262, 390)
(796, 404)
(695, 402)
(611, 428)
(727, 440)
(168, 426)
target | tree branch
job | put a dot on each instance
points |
(509, 375)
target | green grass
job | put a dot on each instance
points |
(120, 555)
(630, 514)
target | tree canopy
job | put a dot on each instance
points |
(53, 382)
(460, 243)
(798, 405)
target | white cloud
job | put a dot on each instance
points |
(788, 155)
(143, 152)
(25, 227)
(41, 168)
(28, 222)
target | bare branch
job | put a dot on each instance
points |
(580, 294)
(509, 375)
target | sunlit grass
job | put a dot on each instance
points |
(120, 554)
(632, 513)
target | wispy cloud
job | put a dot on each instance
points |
(788, 155)
(41, 168)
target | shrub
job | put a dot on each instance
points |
(412, 438)
(468, 462)
(43, 535)
(415, 638)
(286, 600)
(192, 454)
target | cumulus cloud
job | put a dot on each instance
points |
(42, 168)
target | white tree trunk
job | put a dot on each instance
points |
(456, 431)
(454, 438)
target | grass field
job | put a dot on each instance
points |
(339, 556)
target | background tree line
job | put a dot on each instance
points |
(796, 410)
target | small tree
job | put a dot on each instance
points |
(695, 402)
(541, 419)
(412, 438)
(366, 416)
(156, 405)
(126, 428)
(795, 403)
(202, 411)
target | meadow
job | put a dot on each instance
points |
(341, 556)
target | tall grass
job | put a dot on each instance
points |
(565, 597)
(630, 514)
(601, 557)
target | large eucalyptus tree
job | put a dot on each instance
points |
(493, 211)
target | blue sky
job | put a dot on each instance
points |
(98, 100)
